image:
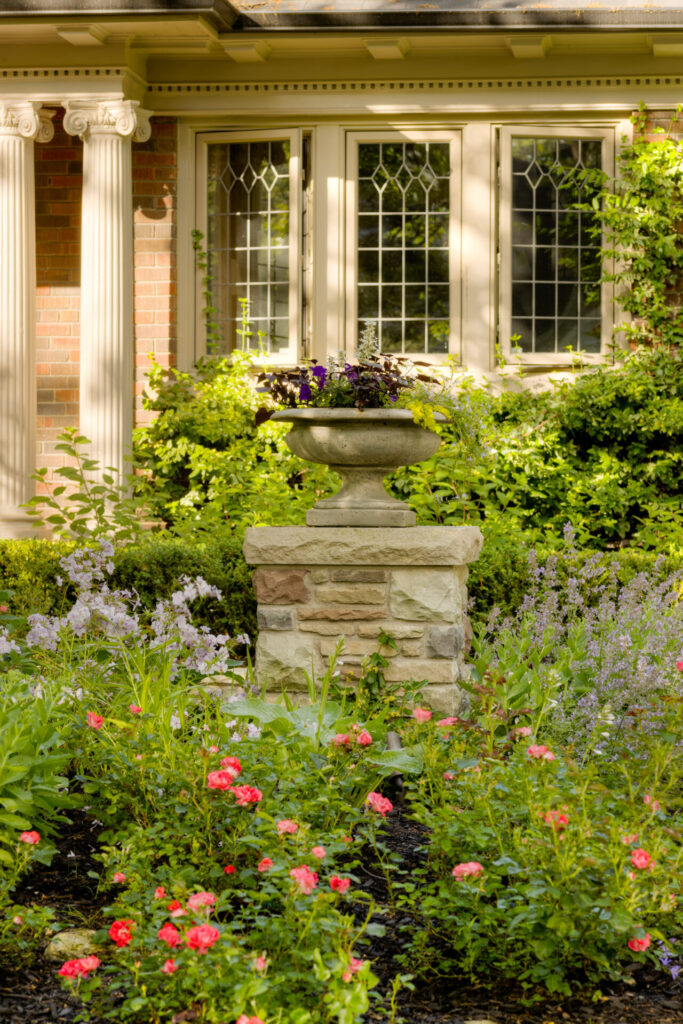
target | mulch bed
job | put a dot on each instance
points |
(34, 995)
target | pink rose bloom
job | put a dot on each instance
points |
(202, 937)
(213, 750)
(201, 899)
(159, 892)
(229, 869)
(219, 780)
(120, 932)
(521, 730)
(170, 935)
(639, 945)
(556, 820)
(640, 858)
(342, 739)
(119, 877)
(264, 865)
(379, 803)
(444, 723)
(354, 968)
(364, 739)
(249, 1020)
(82, 967)
(305, 879)
(448, 777)
(176, 909)
(30, 837)
(231, 764)
(679, 666)
(260, 963)
(348, 839)
(94, 721)
(245, 795)
(540, 751)
(470, 869)
(318, 851)
(169, 967)
(338, 884)
(134, 709)
(627, 840)
(649, 801)
(422, 715)
(287, 826)
(18, 919)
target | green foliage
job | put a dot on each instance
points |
(640, 216)
(96, 505)
(204, 462)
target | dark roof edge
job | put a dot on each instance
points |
(527, 20)
(220, 13)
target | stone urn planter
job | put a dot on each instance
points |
(362, 446)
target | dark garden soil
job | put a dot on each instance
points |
(33, 995)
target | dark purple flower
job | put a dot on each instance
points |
(320, 374)
(305, 393)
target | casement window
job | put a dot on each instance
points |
(402, 238)
(251, 206)
(551, 303)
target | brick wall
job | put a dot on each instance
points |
(154, 203)
(59, 179)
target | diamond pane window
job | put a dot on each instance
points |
(402, 240)
(555, 253)
(248, 243)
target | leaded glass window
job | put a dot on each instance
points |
(402, 237)
(249, 206)
(555, 295)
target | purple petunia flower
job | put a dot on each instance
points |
(320, 374)
(305, 393)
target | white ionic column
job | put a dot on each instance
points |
(106, 378)
(20, 124)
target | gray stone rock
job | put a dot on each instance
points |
(445, 641)
(71, 944)
(275, 618)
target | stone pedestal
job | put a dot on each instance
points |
(314, 585)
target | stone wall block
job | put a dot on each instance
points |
(337, 613)
(412, 648)
(324, 575)
(434, 670)
(322, 628)
(281, 586)
(356, 649)
(445, 641)
(359, 576)
(397, 630)
(351, 593)
(275, 618)
(284, 659)
(425, 594)
(446, 698)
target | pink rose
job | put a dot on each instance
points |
(3, 609)
(305, 879)
(219, 780)
(82, 967)
(229, 869)
(342, 739)
(379, 803)
(119, 877)
(556, 819)
(521, 730)
(245, 795)
(159, 892)
(679, 666)
(639, 945)
(286, 826)
(231, 764)
(249, 1020)
(627, 840)
(318, 851)
(18, 919)
(121, 932)
(170, 967)
(30, 837)
(422, 715)
(649, 801)
(202, 937)
(94, 721)
(470, 869)
(448, 777)
(364, 739)
(354, 967)
(213, 749)
(201, 899)
(170, 935)
(640, 858)
(134, 709)
(338, 884)
(260, 963)
(540, 751)
(176, 909)
(264, 865)
(444, 723)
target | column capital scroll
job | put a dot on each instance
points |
(121, 117)
(26, 118)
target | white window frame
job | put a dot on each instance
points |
(290, 355)
(590, 132)
(454, 137)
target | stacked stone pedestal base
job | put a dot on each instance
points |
(315, 585)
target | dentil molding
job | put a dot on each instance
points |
(121, 117)
(28, 119)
